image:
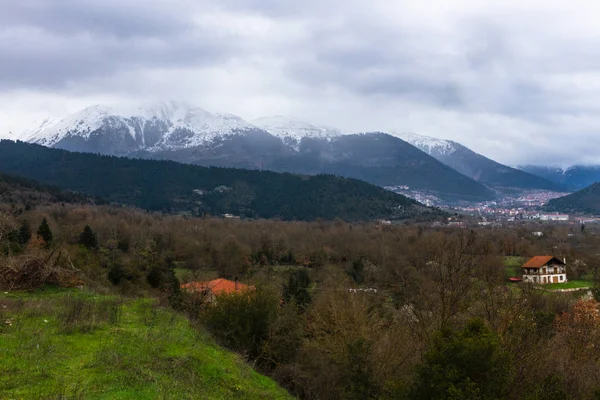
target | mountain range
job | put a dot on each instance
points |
(179, 132)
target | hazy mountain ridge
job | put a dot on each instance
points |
(576, 177)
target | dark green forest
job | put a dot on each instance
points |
(180, 188)
(586, 201)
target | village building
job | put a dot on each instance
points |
(545, 269)
(554, 217)
(216, 287)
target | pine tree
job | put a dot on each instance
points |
(24, 234)
(88, 238)
(44, 232)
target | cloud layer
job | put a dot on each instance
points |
(518, 83)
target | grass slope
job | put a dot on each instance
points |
(80, 345)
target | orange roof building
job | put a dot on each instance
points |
(545, 269)
(216, 287)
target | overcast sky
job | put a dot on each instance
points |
(518, 81)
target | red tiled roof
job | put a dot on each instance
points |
(540, 261)
(217, 286)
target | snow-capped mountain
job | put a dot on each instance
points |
(126, 128)
(292, 130)
(477, 166)
(433, 146)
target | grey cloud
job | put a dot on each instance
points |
(289, 9)
(51, 44)
(53, 65)
(121, 19)
(369, 60)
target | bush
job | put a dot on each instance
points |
(465, 364)
(116, 273)
(241, 321)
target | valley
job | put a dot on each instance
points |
(313, 200)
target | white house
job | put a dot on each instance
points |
(545, 269)
(554, 217)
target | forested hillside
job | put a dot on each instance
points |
(21, 193)
(584, 201)
(173, 187)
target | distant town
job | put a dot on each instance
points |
(521, 206)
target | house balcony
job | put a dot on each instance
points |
(550, 272)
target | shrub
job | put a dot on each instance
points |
(468, 363)
(241, 321)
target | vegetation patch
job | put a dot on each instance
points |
(572, 284)
(513, 265)
(72, 344)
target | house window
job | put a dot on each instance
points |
(561, 278)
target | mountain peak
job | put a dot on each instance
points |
(430, 145)
(136, 121)
(295, 128)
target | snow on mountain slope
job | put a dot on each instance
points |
(172, 117)
(430, 145)
(30, 134)
(294, 128)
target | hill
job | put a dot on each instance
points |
(477, 166)
(573, 178)
(173, 187)
(585, 201)
(82, 345)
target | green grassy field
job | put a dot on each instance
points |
(574, 284)
(74, 345)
